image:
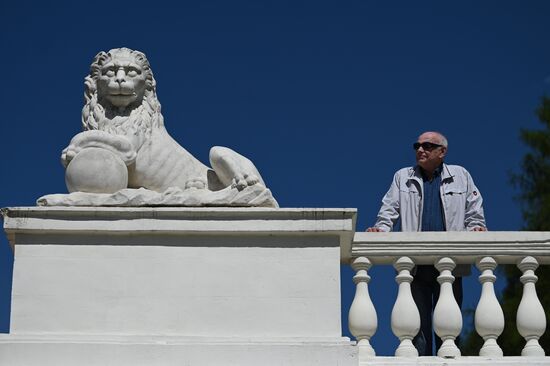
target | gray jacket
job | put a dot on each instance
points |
(462, 203)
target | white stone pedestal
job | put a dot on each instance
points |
(177, 286)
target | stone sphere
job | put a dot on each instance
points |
(96, 170)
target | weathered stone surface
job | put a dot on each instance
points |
(256, 195)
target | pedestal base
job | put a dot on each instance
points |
(160, 351)
(177, 286)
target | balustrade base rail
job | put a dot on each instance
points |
(461, 361)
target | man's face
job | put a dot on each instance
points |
(428, 156)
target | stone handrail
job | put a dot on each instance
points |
(445, 250)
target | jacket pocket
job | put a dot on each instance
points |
(410, 205)
(454, 203)
(410, 192)
(454, 193)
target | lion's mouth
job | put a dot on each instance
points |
(120, 94)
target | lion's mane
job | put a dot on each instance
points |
(97, 115)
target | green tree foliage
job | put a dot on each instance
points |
(533, 183)
(534, 180)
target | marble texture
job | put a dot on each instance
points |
(125, 145)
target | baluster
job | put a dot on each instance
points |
(531, 320)
(489, 318)
(405, 318)
(362, 320)
(447, 317)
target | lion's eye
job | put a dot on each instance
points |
(110, 72)
(133, 71)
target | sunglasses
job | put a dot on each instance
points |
(426, 146)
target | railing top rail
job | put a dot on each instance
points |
(465, 247)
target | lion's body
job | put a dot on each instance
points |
(122, 114)
(162, 163)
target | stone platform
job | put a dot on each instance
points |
(177, 286)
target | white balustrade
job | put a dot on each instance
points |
(489, 318)
(531, 320)
(363, 320)
(446, 249)
(447, 318)
(405, 318)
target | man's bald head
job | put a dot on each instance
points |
(437, 136)
(431, 148)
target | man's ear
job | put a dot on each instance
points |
(443, 152)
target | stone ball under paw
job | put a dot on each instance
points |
(96, 170)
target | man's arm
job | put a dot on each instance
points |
(389, 212)
(474, 217)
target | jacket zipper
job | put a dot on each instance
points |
(420, 206)
(443, 204)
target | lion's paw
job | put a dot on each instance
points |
(241, 181)
(68, 154)
(117, 144)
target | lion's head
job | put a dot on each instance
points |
(120, 94)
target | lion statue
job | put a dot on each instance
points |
(125, 145)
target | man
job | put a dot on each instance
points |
(431, 196)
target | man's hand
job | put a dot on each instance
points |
(479, 228)
(374, 230)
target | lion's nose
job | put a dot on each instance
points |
(120, 76)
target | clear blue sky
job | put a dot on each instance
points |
(325, 97)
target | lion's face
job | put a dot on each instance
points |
(120, 95)
(122, 81)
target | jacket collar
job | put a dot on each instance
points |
(416, 174)
(446, 173)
